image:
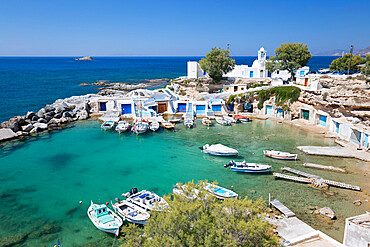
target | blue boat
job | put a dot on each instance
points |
(248, 167)
(220, 192)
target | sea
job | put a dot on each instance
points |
(47, 180)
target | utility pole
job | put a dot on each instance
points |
(228, 47)
(350, 58)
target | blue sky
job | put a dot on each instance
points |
(127, 28)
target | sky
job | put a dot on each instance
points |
(178, 28)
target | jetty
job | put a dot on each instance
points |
(322, 167)
(282, 208)
(313, 179)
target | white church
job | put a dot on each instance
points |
(257, 70)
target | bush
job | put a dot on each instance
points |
(288, 94)
(324, 76)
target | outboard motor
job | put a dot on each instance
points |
(117, 199)
(133, 191)
(231, 162)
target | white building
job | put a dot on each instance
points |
(194, 70)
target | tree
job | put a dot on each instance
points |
(341, 64)
(289, 56)
(366, 70)
(203, 221)
(217, 62)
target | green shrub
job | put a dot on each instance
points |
(282, 95)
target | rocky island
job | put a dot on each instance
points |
(84, 58)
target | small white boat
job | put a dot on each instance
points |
(231, 119)
(146, 199)
(219, 150)
(189, 123)
(122, 126)
(245, 120)
(107, 125)
(248, 167)
(131, 212)
(104, 219)
(280, 155)
(220, 192)
(167, 125)
(154, 126)
(140, 127)
(206, 121)
(183, 190)
(222, 121)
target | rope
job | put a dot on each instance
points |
(114, 240)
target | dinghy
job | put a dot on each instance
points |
(231, 119)
(219, 150)
(122, 126)
(107, 125)
(220, 192)
(167, 125)
(104, 219)
(222, 121)
(131, 212)
(280, 155)
(248, 167)
(189, 123)
(154, 126)
(146, 199)
(140, 127)
(206, 121)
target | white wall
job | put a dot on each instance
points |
(282, 74)
(194, 70)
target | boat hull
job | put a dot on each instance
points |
(246, 170)
(219, 153)
(281, 157)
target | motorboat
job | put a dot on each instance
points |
(280, 155)
(154, 126)
(131, 212)
(206, 121)
(243, 119)
(248, 167)
(231, 119)
(184, 190)
(220, 192)
(219, 150)
(104, 218)
(167, 125)
(122, 126)
(189, 123)
(107, 125)
(140, 127)
(146, 199)
(222, 121)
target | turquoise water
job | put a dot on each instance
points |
(43, 178)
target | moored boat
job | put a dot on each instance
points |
(146, 199)
(131, 212)
(206, 121)
(122, 126)
(248, 167)
(243, 119)
(189, 123)
(231, 119)
(167, 125)
(104, 218)
(222, 121)
(219, 150)
(280, 155)
(140, 127)
(220, 192)
(107, 125)
(154, 126)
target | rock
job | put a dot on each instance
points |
(82, 115)
(54, 121)
(6, 134)
(312, 208)
(67, 114)
(22, 133)
(253, 191)
(34, 130)
(49, 108)
(40, 126)
(357, 202)
(42, 120)
(30, 114)
(27, 127)
(319, 183)
(13, 240)
(58, 115)
(14, 123)
(326, 212)
(35, 118)
(41, 112)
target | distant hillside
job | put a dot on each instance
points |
(338, 52)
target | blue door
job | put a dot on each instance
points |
(126, 108)
(200, 109)
(216, 107)
(337, 127)
(250, 74)
(103, 106)
(366, 141)
(269, 110)
(322, 121)
(280, 111)
(182, 107)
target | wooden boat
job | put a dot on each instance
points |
(167, 125)
(243, 119)
(248, 167)
(206, 121)
(222, 121)
(131, 212)
(146, 199)
(219, 150)
(220, 192)
(154, 126)
(140, 127)
(122, 126)
(231, 119)
(104, 219)
(107, 125)
(280, 155)
(189, 123)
